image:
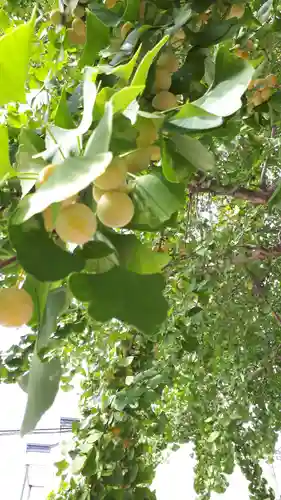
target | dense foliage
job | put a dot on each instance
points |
(140, 232)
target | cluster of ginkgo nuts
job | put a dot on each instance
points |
(262, 89)
(75, 222)
(76, 31)
(167, 64)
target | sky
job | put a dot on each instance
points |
(173, 480)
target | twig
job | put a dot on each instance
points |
(4, 263)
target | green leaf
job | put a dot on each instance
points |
(73, 175)
(57, 302)
(141, 73)
(61, 142)
(44, 377)
(39, 292)
(132, 10)
(124, 71)
(34, 247)
(121, 99)
(107, 16)
(192, 117)
(275, 199)
(15, 49)
(100, 138)
(5, 166)
(213, 437)
(63, 116)
(43, 385)
(95, 250)
(156, 200)
(182, 16)
(232, 77)
(194, 152)
(98, 36)
(136, 256)
(167, 164)
(133, 298)
(214, 32)
(30, 144)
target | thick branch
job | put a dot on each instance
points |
(4, 263)
(257, 197)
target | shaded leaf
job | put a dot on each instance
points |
(34, 246)
(156, 200)
(43, 385)
(107, 16)
(6, 169)
(194, 152)
(94, 250)
(132, 10)
(38, 290)
(132, 298)
(98, 36)
(57, 302)
(136, 256)
(275, 199)
(63, 116)
(167, 164)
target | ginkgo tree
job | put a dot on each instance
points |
(140, 198)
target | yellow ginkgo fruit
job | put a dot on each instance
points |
(16, 307)
(115, 209)
(163, 79)
(113, 177)
(168, 61)
(110, 3)
(236, 10)
(164, 100)
(79, 11)
(79, 26)
(138, 160)
(74, 38)
(76, 224)
(56, 17)
(155, 152)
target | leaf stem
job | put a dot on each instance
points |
(55, 141)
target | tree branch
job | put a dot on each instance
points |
(4, 263)
(252, 253)
(257, 197)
